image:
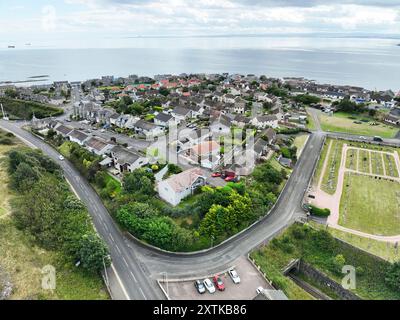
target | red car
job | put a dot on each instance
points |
(230, 178)
(216, 174)
(218, 283)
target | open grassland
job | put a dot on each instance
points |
(330, 177)
(390, 165)
(363, 161)
(370, 205)
(385, 250)
(342, 122)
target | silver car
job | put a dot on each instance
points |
(209, 285)
(234, 276)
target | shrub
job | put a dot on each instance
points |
(319, 212)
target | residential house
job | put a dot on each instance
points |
(220, 124)
(174, 189)
(260, 148)
(181, 114)
(262, 122)
(270, 135)
(125, 160)
(98, 146)
(63, 130)
(206, 154)
(164, 120)
(240, 120)
(78, 136)
(148, 129)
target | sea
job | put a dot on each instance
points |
(372, 63)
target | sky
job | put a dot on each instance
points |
(80, 23)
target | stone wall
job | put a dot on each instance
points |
(324, 280)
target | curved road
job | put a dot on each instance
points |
(136, 267)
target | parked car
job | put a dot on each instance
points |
(378, 139)
(234, 276)
(227, 174)
(216, 174)
(209, 285)
(230, 179)
(200, 287)
(61, 157)
(219, 283)
(259, 290)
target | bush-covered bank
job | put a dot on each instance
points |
(47, 209)
(319, 249)
(22, 109)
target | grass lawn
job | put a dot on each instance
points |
(318, 170)
(310, 123)
(377, 167)
(318, 248)
(363, 161)
(340, 122)
(23, 261)
(330, 178)
(390, 166)
(370, 205)
(351, 159)
(385, 250)
(300, 142)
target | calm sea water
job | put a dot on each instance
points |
(371, 63)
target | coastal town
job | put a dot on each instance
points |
(164, 155)
(121, 119)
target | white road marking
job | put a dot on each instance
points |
(120, 283)
(111, 237)
(133, 276)
(143, 293)
(119, 251)
(126, 263)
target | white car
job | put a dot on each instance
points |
(209, 285)
(234, 276)
(259, 290)
(61, 157)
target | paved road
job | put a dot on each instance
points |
(127, 268)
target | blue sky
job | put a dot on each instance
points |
(77, 23)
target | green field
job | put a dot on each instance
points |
(377, 167)
(370, 205)
(21, 109)
(341, 122)
(330, 178)
(351, 159)
(320, 165)
(363, 161)
(390, 166)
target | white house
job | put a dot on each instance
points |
(262, 122)
(148, 129)
(181, 114)
(164, 120)
(174, 189)
(125, 160)
(78, 137)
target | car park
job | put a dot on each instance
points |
(200, 287)
(219, 283)
(234, 276)
(209, 285)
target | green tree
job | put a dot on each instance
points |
(392, 276)
(139, 181)
(93, 253)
